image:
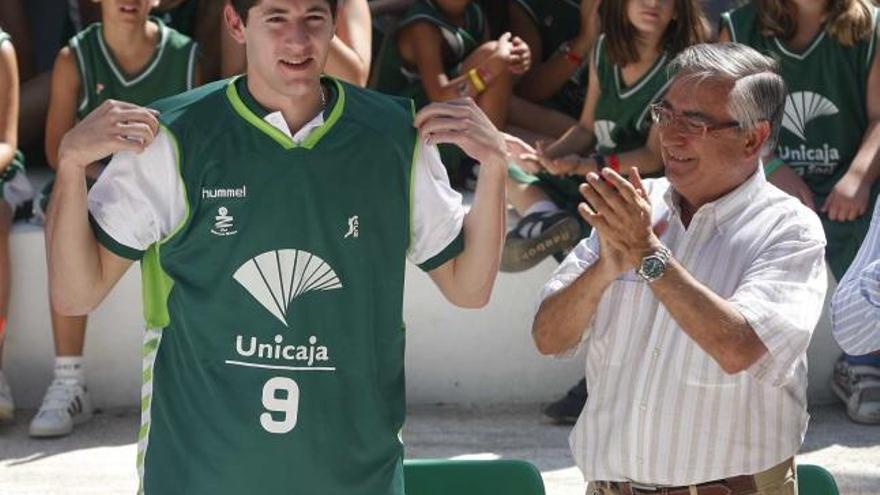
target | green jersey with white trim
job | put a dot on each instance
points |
(273, 279)
(396, 78)
(558, 22)
(825, 112)
(170, 71)
(622, 120)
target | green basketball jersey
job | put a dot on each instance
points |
(181, 18)
(395, 78)
(558, 21)
(825, 111)
(169, 72)
(275, 359)
(622, 115)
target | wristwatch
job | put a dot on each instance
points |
(653, 266)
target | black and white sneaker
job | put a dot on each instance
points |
(66, 404)
(538, 236)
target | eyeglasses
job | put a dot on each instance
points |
(690, 126)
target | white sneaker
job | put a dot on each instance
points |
(66, 404)
(7, 407)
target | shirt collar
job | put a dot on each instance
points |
(724, 208)
(276, 118)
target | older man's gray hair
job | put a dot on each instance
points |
(758, 92)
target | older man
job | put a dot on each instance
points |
(695, 298)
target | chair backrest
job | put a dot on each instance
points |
(815, 480)
(471, 477)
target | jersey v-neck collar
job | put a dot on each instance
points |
(273, 123)
(151, 65)
(626, 92)
(804, 54)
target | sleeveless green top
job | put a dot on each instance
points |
(275, 363)
(395, 78)
(170, 71)
(825, 112)
(558, 21)
(622, 117)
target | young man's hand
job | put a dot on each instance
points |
(462, 123)
(849, 198)
(520, 59)
(114, 126)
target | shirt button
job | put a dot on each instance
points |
(643, 406)
(656, 352)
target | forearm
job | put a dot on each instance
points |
(547, 78)
(464, 85)
(711, 321)
(563, 317)
(474, 270)
(576, 140)
(7, 153)
(74, 264)
(866, 163)
(345, 63)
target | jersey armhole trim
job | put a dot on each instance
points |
(452, 250)
(81, 67)
(412, 177)
(872, 46)
(112, 244)
(727, 21)
(191, 67)
(178, 163)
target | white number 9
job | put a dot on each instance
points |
(289, 404)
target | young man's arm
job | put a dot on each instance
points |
(81, 271)
(8, 105)
(467, 279)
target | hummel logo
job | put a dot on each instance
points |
(603, 130)
(225, 193)
(99, 88)
(352, 228)
(803, 107)
(276, 278)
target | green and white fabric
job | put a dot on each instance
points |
(558, 22)
(273, 267)
(621, 120)
(396, 78)
(825, 116)
(169, 72)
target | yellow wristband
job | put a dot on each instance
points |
(478, 83)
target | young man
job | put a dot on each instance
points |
(273, 214)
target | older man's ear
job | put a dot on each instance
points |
(755, 139)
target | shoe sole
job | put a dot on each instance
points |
(522, 254)
(852, 407)
(51, 433)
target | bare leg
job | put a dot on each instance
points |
(539, 119)
(495, 101)
(523, 196)
(69, 333)
(5, 226)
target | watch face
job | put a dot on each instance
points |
(652, 267)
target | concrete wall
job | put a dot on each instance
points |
(453, 355)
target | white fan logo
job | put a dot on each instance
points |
(276, 278)
(604, 129)
(802, 107)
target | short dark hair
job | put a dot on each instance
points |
(243, 6)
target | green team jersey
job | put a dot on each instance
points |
(170, 71)
(273, 269)
(622, 120)
(825, 115)
(825, 111)
(396, 78)
(558, 22)
(181, 18)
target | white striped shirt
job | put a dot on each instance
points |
(855, 309)
(660, 409)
